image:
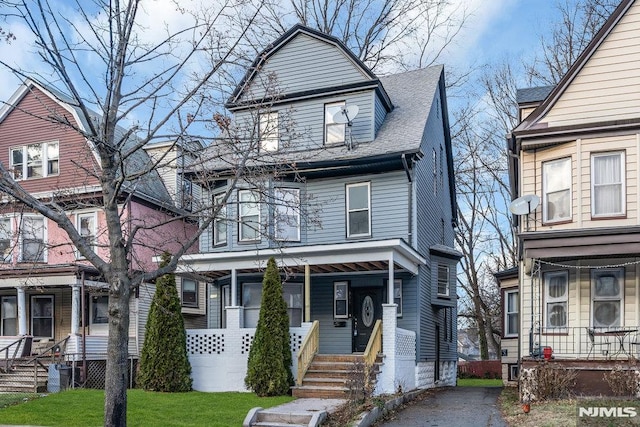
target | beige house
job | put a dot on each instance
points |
(575, 171)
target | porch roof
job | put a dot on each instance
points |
(330, 258)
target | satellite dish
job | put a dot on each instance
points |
(524, 205)
(346, 114)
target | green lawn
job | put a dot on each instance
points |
(479, 382)
(85, 408)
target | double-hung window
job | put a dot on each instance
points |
(359, 209)
(220, 221)
(269, 134)
(32, 235)
(334, 132)
(189, 291)
(249, 215)
(99, 320)
(443, 280)
(511, 312)
(87, 227)
(556, 293)
(606, 297)
(35, 160)
(187, 194)
(292, 293)
(6, 246)
(251, 300)
(556, 188)
(607, 184)
(8, 315)
(287, 214)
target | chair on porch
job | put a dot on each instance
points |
(593, 343)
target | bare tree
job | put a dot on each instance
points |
(132, 82)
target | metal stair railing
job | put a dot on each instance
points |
(24, 344)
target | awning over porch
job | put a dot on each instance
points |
(342, 257)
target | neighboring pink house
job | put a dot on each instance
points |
(47, 290)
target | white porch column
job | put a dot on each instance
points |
(234, 288)
(22, 312)
(387, 382)
(307, 293)
(235, 313)
(75, 309)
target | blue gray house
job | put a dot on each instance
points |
(363, 229)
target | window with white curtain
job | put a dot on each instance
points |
(249, 215)
(556, 188)
(606, 297)
(269, 135)
(556, 294)
(607, 184)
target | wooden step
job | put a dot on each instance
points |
(320, 392)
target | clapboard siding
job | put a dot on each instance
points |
(143, 306)
(334, 340)
(380, 114)
(305, 119)
(23, 126)
(580, 152)
(608, 86)
(305, 63)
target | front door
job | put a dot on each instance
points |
(367, 308)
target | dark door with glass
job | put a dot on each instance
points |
(367, 308)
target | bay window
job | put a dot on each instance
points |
(220, 221)
(249, 216)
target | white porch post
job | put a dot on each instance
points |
(22, 312)
(389, 323)
(307, 293)
(235, 314)
(75, 309)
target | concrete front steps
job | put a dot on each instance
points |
(328, 376)
(259, 417)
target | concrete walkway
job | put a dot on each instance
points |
(451, 406)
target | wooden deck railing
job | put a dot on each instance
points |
(308, 349)
(374, 346)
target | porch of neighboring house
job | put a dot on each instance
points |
(340, 320)
(41, 325)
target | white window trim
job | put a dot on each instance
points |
(45, 159)
(240, 217)
(94, 232)
(623, 189)
(53, 315)
(438, 280)
(220, 219)
(345, 285)
(97, 328)
(620, 273)
(368, 209)
(328, 123)
(3, 314)
(545, 182)
(281, 204)
(508, 292)
(551, 300)
(44, 238)
(269, 132)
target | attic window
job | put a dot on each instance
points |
(35, 160)
(334, 133)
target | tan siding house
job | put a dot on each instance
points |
(577, 155)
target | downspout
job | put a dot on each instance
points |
(410, 199)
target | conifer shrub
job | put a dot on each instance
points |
(164, 364)
(269, 365)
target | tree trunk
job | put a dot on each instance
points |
(115, 408)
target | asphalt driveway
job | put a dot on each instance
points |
(451, 406)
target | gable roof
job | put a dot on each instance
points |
(530, 122)
(149, 187)
(273, 48)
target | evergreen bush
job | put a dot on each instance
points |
(164, 364)
(269, 366)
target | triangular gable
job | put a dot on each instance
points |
(304, 61)
(603, 84)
